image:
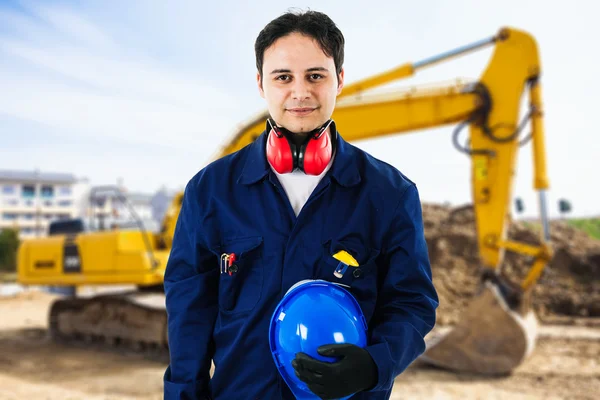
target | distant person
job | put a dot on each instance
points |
(257, 221)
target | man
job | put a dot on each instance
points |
(251, 226)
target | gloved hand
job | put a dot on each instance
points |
(354, 372)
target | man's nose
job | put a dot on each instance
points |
(300, 90)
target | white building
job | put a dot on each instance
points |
(113, 207)
(30, 200)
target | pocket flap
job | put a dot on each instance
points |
(361, 253)
(240, 245)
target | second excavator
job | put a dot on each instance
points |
(497, 331)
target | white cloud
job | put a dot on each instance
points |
(85, 92)
(122, 77)
(82, 113)
(76, 27)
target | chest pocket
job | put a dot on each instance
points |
(361, 281)
(241, 290)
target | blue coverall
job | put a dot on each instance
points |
(237, 205)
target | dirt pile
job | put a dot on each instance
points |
(570, 285)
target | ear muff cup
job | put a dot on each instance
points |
(316, 155)
(280, 152)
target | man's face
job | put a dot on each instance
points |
(299, 83)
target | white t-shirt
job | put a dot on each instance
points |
(299, 186)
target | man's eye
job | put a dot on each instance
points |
(283, 78)
(316, 77)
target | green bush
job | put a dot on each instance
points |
(9, 242)
(591, 226)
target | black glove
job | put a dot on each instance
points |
(354, 372)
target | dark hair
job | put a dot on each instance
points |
(310, 23)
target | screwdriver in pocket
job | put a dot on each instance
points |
(345, 260)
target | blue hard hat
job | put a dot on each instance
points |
(311, 314)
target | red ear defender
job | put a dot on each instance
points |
(317, 152)
(312, 157)
(279, 151)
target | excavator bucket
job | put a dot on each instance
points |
(490, 339)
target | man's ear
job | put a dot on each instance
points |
(340, 81)
(260, 86)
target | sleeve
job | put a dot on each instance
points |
(407, 303)
(191, 289)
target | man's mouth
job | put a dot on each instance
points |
(300, 111)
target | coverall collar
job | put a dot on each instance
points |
(344, 169)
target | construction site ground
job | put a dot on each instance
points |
(564, 365)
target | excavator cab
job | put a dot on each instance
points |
(66, 227)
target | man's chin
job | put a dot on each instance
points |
(302, 127)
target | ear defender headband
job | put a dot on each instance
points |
(311, 157)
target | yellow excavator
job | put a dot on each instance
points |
(498, 328)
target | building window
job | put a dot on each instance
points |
(47, 191)
(65, 203)
(28, 216)
(28, 191)
(48, 203)
(11, 202)
(8, 189)
(64, 191)
(9, 216)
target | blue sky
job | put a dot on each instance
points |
(147, 90)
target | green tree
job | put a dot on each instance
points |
(9, 243)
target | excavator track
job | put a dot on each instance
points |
(123, 322)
